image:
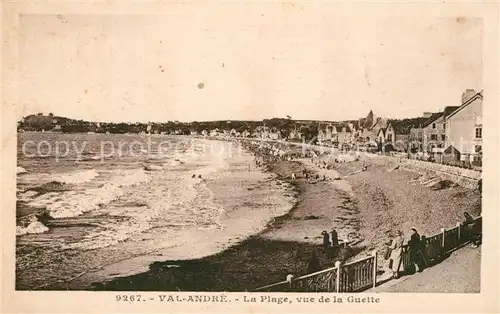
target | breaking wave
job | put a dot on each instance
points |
(34, 226)
(75, 177)
(77, 202)
(188, 203)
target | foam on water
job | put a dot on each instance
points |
(167, 200)
(129, 177)
(77, 202)
(33, 227)
(27, 196)
(130, 210)
(75, 177)
(42, 182)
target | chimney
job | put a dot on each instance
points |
(468, 94)
(427, 114)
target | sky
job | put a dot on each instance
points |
(245, 63)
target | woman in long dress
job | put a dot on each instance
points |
(397, 250)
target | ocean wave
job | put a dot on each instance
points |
(77, 202)
(27, 196)
(34, 226)
(129, 177)
(20, 170)
(52, 186)
(91, 158)
(187, 204)
(75, 177)
(112, 235)
(173, 162)
(153, 168)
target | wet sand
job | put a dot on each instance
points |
(247, 199)
(365, 208)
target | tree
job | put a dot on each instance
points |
(310, 133)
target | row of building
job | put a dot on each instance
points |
(453, 134)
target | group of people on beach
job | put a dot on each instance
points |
(308, 176)
(470, 231)
(394, 252)
(331, 246)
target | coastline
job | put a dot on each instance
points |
(283, 247)
(364, 207)
(249, 198)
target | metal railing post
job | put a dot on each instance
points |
(374, 268)
(337, 280)
(442, 243)
(289, 278)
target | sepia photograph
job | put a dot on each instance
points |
(250, 150)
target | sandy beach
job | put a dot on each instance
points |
(365, 208)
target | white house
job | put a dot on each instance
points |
(464, 127)
(214, 132)
(381, 136)
(274, 134)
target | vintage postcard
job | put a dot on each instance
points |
(209, 156)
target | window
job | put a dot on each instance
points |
(434, 125)
(443, 137)
(444, 125)
(479, 132)
(389, 137)
(434, 137)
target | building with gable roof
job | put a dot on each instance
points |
(464, 127)
(381, 138)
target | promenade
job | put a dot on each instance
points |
(459, 273)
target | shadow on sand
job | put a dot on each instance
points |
(253, 263)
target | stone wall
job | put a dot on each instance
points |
(465, 177)
(468, 173)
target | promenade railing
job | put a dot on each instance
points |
(361, 274)
(282, 286)
(354, 276)
(434, 248)
(323, 281)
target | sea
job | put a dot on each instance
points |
(88, 203)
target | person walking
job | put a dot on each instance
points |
(326, 240)
(415, 246)
(396, 252)
(335, 238)
(313, 265)
(471, 230)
